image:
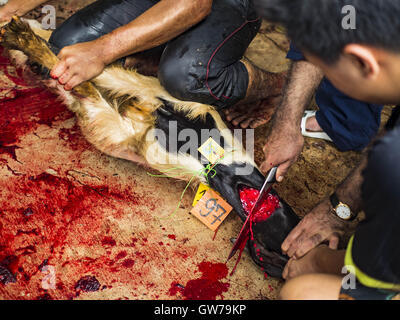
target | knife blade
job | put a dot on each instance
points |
(244, 232)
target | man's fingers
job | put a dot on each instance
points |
(334, 242)
(65, 77)
(291, 252)
(4, 20)
(282, 170)
(265, 166)
(73, 83)
(59, 69)
(296, 232)
(307, 244)
(286, 270)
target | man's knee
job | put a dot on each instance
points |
(89, 23)
(175, 78)
(190, 80)
(312, 287)
(71, 32)
(183, 78)
(294, 289)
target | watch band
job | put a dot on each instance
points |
(336, 202)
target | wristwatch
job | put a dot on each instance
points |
(341, 209)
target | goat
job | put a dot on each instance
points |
(122, 113)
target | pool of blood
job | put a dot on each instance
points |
(20, 105)
(43, 216)
(208, 287)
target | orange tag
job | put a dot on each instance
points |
(211, 210)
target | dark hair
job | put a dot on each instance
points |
(316, 25)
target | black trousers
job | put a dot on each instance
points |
(202, 64)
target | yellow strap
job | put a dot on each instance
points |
(364, 278)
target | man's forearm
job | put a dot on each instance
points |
(21, 7)
(303, 80)
(349, 191)
(161, 23)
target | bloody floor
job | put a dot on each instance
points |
(77, 224)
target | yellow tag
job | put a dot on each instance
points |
(200, 193)
(211, 150)
(211, 209)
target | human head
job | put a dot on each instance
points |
(362, 58)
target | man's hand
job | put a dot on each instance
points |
(321, 224)
(17, 8)
(78, 63)
(318, 226)
(5, 15)
(285, 141)
(283, 146)
(319, 260)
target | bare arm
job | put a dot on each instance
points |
(162, 22)
(285, 141)
(304, 79)
(18, 8)
(349, 191)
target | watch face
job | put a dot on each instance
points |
(343, 212)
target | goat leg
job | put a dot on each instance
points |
(18, 35)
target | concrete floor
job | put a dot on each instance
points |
(78, 224)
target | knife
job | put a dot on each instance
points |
(244, 233)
